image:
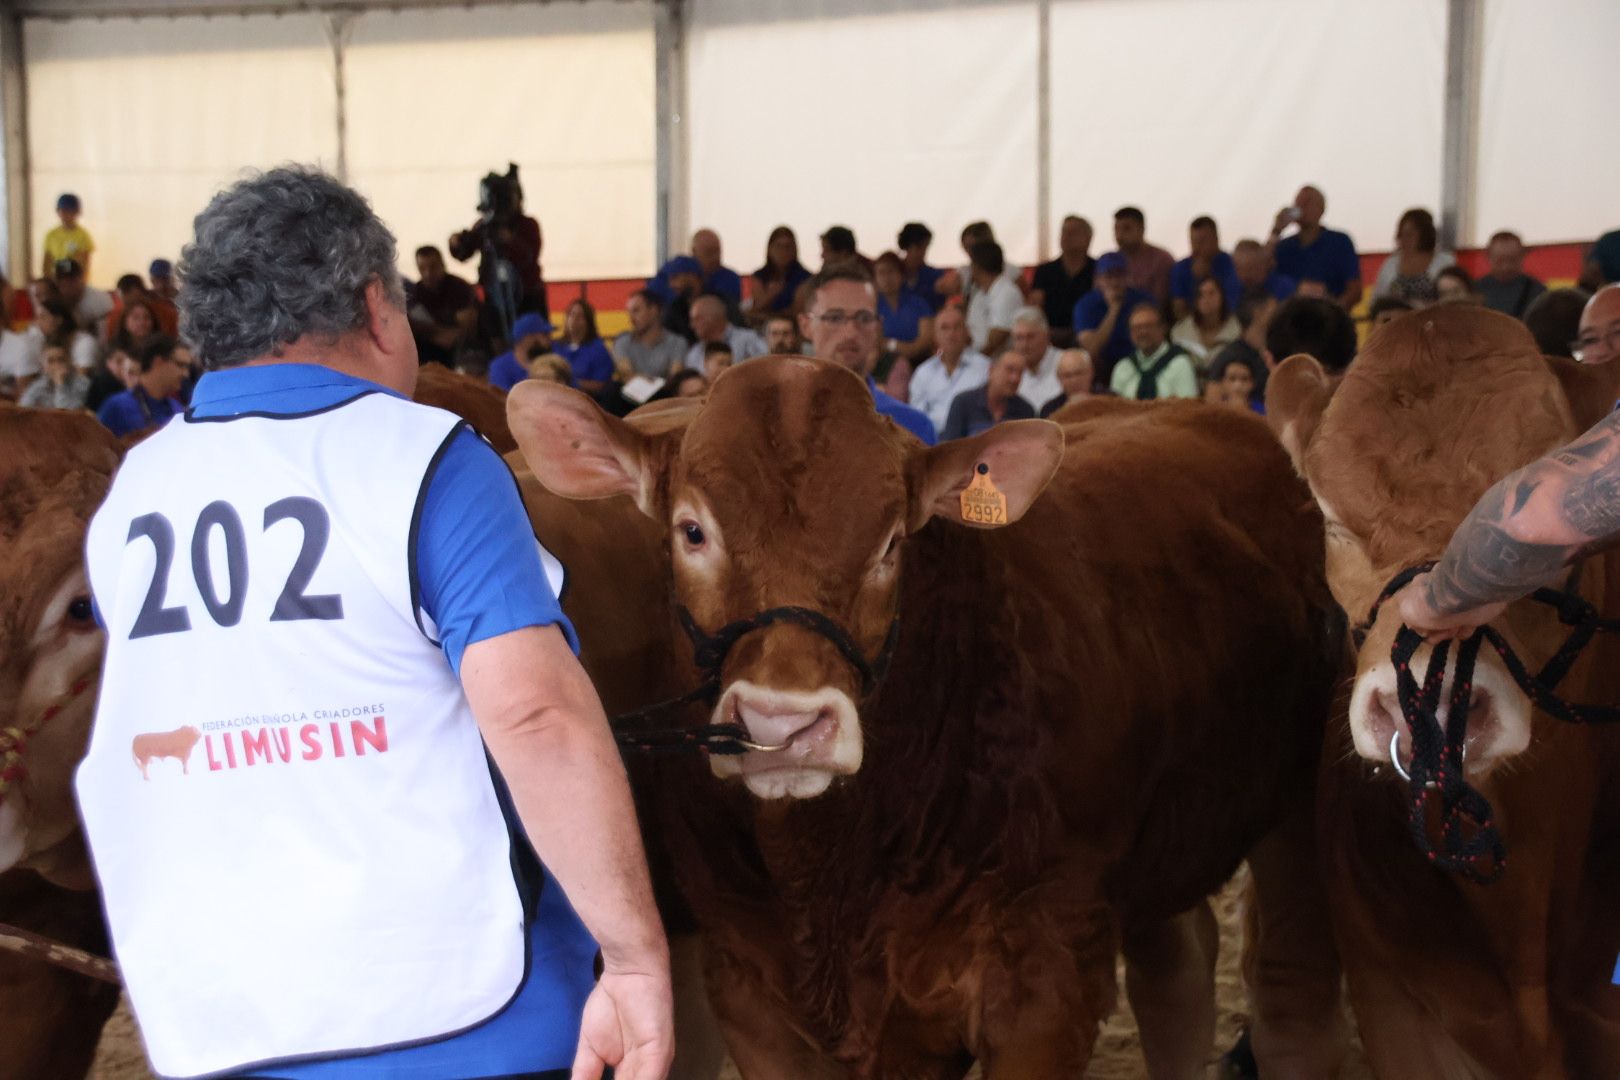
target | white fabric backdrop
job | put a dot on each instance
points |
(1548, 156)
(146, 118)
(437, 99)
(865, 114)
(1226, 107)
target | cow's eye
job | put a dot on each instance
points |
(80, 611)
(693, 533)
(894, 544)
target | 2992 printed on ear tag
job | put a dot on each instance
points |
(982, 502)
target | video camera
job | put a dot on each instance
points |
(499, 196)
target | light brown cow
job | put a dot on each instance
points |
(1086, 720)
(152, 745)
(1447, 978)
(54, 470)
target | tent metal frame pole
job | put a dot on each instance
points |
(1043, 129)
(672, 176)
(14, 117)
(339, 27)
(1460, 123)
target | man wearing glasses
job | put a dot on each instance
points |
(841, 324)
(1599, 339)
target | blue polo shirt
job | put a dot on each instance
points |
(796, 275)
(1089, 314)
(129, 411)
(923, 285)
(913, 420)
(1331, 260)
(481, 576)
(900, 322)
(506, 372)
(589, 361)
(1183, 286)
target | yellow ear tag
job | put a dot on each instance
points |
(982, 502)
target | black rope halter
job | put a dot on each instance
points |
(1470, 843)
(709, 652)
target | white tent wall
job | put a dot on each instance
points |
(436, 99)
(144, 119)
(1226, 107)
(868, 114)
(1548, 155)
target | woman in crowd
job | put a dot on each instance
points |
(136, 326)
(908, 321)
(60, 387)
(1455, 286)
(1234, 383)
(584, 349)
(776, 283)
(55, 323)
(1411, 269)
(1209, 327)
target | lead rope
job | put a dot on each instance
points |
(14, 739)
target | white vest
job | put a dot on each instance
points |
(288, 803)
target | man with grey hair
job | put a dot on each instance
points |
(1032, 339)
(401, 766)
(710, 324)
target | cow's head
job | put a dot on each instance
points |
(784, 489)
(1437, 407)
(54, 470)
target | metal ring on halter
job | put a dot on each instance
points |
(1395, 755)
(762, 748)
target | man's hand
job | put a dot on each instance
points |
(629, 1023)
(1418, 611)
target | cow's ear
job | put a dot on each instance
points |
(1007, 467)
(574, 448)
(1296, 394)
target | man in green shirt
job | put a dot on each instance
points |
(1157, 369)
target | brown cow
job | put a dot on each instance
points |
(54, 470)
(474, 400)
(1086, 720)
(1451, 979)
(152, 745)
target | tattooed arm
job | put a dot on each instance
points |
(1522, 535)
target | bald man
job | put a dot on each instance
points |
(1316, 253)
(1075, 375)
(718, 279)
(709, 324)
(1599, 339)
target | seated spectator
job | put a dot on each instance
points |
(89, 306)
(684, 383)
(1032, 339)
(1255, 318)
(908, 321)
(21, 357)
(782, 335)
(1254, 276)
(1314, 326)
(1454, 286)
(647, 349)
(777, 282)
(1506, 287)
(152, 401)
(974, 233)
(991, 299)
(717, 279)
(443, 309)
(1206, 261)
(549, 367)
(583, 348)
(115, 374)
(192, 367)
(1554, 320)
(1209, 326)
(531, 337)
(130, 288)
(1236, 383)
(1410, 271)
(1387, 309)
(985, 406)
(717, 359)
(60, 387)
(137, 325)
(922, 280)
(838, 249)
(1602, 263)
(892, 374)
(1147, 268)
(1316, 253)
(54, 323)
(709, 324)
(1157, 368)
(69, 240)
(1598, 340)
(1058, 285)
(677, 283)
(16, 307)
(1075, 376)
(956, 368)
(1101, 322)
(161, 275)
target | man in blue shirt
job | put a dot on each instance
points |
(1101, 318)
(320, 259)
(1254, 278)
(718, 279)
(841, 323)
(153, 401)
(922, 280)
(531, 331)
(1207, 260)
(1316, 253)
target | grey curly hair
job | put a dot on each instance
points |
(279, 256)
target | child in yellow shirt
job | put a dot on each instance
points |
(69, 240)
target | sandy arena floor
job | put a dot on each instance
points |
(1117, 1057)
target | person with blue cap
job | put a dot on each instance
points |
(677, 283)
(161, 275)
(69, 240)
(531, 336)
(1102, 316)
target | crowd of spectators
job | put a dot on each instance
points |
(956, 347)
